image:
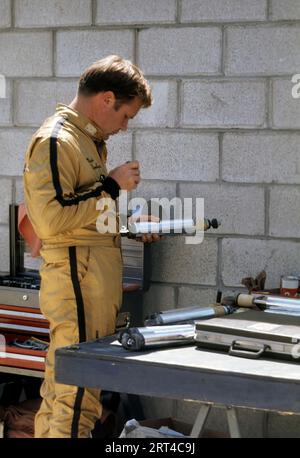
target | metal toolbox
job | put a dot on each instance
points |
(252, 334)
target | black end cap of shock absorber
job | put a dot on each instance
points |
(133, 340)
(214, 223)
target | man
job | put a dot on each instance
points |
(65, 175)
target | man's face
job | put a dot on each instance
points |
(116, 116)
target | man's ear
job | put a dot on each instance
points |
(109, 99)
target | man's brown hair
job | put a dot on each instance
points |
(118, 75)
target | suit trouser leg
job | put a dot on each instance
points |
(80, 296)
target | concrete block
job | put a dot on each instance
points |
(176, 262)
(51, 13)
(149, 189)
(250, 420)
(78, 49)
(6, 105)
(285, 425)
(247, 257)
(286, 109)
(159, 56)
(261, 158)
(287, 10)
(119, 148)
(223, 104)
(231, 204)
(189, 296)
(284, 214)
(19, 193)
(178, 156)
(4, 249)
(5, 15)
(135, 11)
(26, 54)
(157, 407)
(224, 11)
(158, 298)
(14, 143)
(6, 199)
(163, 111)
(36, 100)
(187, 411)
(262, 50)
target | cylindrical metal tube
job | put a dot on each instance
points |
(169, 227)
(162, 227)
(136, 339)
(283, 311)
(276, 301)
(265, 302)
(187, 314)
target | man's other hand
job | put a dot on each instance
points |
(149, 238)
(146, 238)
(127, 175)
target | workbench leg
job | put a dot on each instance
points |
(234, 429)
(200, 420)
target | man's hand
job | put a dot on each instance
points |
(127, 175)
(146, 238)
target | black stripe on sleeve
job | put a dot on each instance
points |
(112, 187)
(55, 173)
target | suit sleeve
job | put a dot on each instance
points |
(54, 202)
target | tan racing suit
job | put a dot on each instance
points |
(81, 275)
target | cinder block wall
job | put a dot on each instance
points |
(224, 126)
